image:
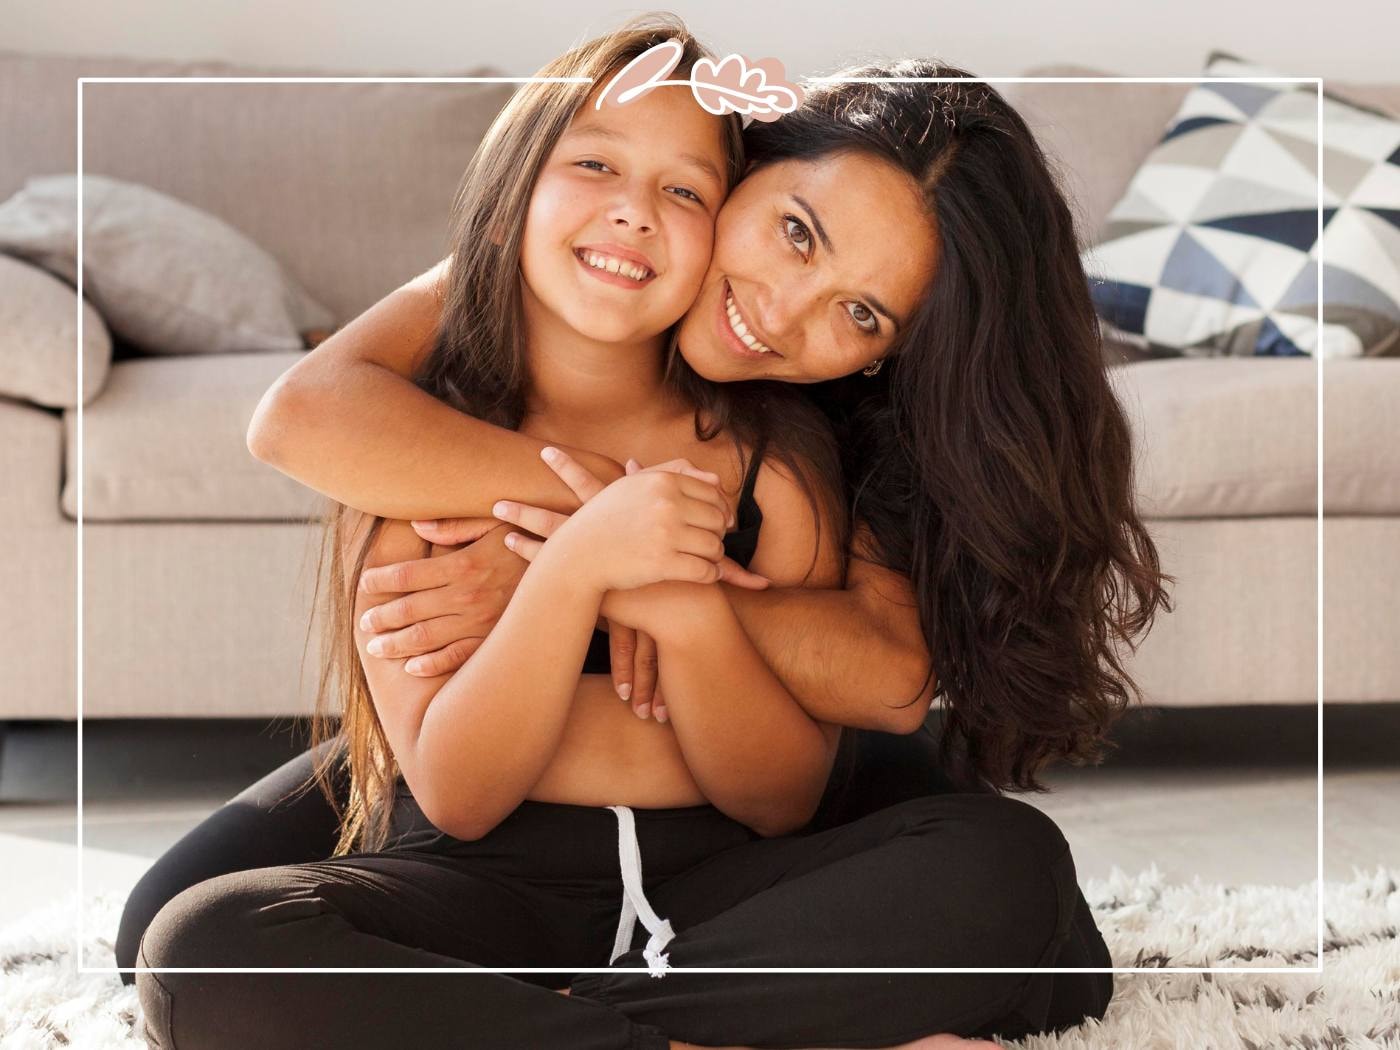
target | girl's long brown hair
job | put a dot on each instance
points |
(989, 457)
(476, 364)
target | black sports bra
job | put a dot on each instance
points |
(738, 544)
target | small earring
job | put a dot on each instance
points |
(870, 370)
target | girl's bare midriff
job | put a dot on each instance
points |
(610, 757)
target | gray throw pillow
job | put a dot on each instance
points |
(166, 276)
(39, 338)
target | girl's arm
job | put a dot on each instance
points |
(745, 737)
(348, 421)
(458, 737)
(475, 744)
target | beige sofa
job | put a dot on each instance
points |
(197, 559)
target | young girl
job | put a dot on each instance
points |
(478, 830)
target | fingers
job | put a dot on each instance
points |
(730, 571)
(697, 484)
(581, 481)
(448, 532)
(422, 636)
(532, 519)
(444, 661)
(407, 575)
(644, 679)
(622, 648)
(658, 708)
(702, 543)
(525, 546)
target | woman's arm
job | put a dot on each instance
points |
(348, 421)
(856, 657)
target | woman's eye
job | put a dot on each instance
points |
(863, 316)
(690, 194)
(797, 234)
(597, 162)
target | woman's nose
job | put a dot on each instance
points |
(780, 307)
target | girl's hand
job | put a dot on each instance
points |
(585, 485)
(659, 524)
(633, 652)
(453, 602)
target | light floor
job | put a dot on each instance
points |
(1192, 811)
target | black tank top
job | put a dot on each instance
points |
(738, 544)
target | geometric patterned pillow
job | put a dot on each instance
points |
(1213, 248)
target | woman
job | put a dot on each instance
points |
(987, 461)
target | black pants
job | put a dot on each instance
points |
(945, 879)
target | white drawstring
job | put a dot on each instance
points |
(634, 901)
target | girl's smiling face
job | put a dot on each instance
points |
(621, 222)
(817, 267)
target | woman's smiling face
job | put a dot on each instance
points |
(817, 268)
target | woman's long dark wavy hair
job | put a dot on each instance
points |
(989, 458)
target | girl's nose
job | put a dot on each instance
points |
(634, 211)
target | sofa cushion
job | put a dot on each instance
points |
(31, 463)
(39, 334)
(1213, 248)
(168, 278)
(1224, 437)
(1237, 437)
(167, 440)
(348, 185)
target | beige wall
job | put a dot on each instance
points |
(1343, 39)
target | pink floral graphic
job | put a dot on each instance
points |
(757, 89)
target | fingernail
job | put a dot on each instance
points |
(644, 711)
(364, 622)
(661, 715)
(549, 453)
(375, 646)
(501, 509)
(412, 666)
(625, 690)
(421, 524)
(510, 540)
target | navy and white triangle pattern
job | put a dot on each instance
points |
(1213, 249)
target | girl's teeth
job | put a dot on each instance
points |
(614, 265)
(741, 329)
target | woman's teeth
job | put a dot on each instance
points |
(740, 329)
(615, 265)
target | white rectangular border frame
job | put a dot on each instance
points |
(1316, 81)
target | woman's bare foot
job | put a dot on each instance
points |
(928, 1042)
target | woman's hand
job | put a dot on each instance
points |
(452, 603)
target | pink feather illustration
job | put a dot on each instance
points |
(735, 85)
(646, 71)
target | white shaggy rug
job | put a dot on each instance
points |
(1353, 1005)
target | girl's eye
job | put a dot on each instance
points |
(864, 317)
(691, 194)
(597, 162)
(797, 235)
